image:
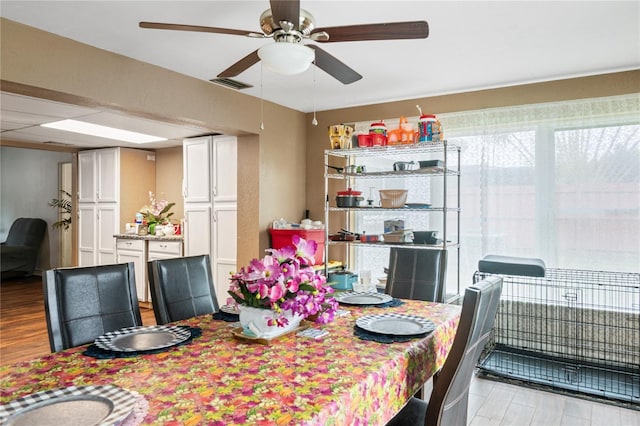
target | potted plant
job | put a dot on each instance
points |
(63, 204)
(156, 213)
(275, 293)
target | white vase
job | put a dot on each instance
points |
(254, 322)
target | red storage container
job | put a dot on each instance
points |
(282, 237)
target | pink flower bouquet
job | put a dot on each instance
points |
(284, 280)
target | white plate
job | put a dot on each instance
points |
(230, 309)
(74, 405)
(396, 324)
(356, 298)
(147, 338)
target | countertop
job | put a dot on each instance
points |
(149, 237)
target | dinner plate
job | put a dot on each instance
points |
(230, 309)
(73, 405)
(358, 298)
(396, 324)
(145, 338)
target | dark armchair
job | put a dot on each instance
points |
(20, 252)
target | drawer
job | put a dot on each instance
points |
(165, 247)
(126, 244)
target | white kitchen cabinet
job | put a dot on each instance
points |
(197, 229)
(135, 251)
(113, 184)
(87, 169)
(225, 175)
(99, 176)
(107, 226)
(141, 250)
(197, 171)
(87, 239)
(164, 249)
(210, 209)
(225, 248)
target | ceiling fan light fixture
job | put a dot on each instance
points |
(286, 58)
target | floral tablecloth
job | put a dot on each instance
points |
(219, 380)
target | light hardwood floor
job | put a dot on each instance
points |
(23, 336)
(493, 403)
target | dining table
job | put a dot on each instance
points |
(219, 379)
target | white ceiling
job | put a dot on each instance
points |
(472, 45)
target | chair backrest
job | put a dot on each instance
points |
(417, 274)
(181, 288)
(26, 232)
(449, 399)
(83, 303)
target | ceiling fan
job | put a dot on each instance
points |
(288, 25)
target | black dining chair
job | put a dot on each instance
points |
(416, 274)
(448, 403)
(82, 303)
(181, 288)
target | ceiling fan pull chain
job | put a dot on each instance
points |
(261, 99)
(314, 122)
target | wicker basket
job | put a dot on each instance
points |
(393, 198)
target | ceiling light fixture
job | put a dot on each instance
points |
(286, 58)
(102, 131)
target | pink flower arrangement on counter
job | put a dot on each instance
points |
(156, 210)
(285, 280)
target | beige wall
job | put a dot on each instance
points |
(137, 178)
(169, 179)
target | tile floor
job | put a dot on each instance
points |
(493, 403)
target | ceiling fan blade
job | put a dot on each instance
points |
(334, 67)
(181, 27)
(286, 10)
(241, 66)
(382, 31)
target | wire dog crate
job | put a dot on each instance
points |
(572, 330)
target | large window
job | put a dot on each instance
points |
(558, 181)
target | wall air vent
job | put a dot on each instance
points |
(233, 84)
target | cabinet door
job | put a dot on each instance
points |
(87, 177)
(196, 154)
(107, 226)
(224, 248)
(87, 227)
(225, 174)
(197, 232)
(134, 251)
(108, 176)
